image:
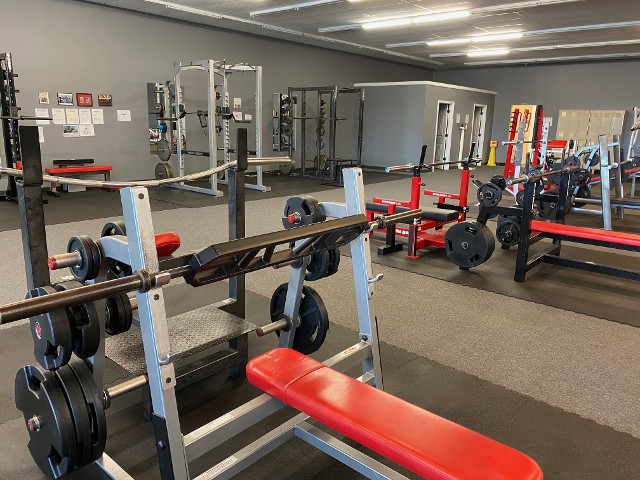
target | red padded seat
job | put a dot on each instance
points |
(84, 169)
(608, 236)
(167, 243)
(431, 446)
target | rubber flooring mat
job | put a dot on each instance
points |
(593, 294)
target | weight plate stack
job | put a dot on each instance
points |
(52, 436)
(489, 194)
(116, 269)
(91, 258)
(85, 327)
(163, 171)
(334, 261)
(51, 333)
(301, 210)
(313, 317)
(469, 244)
(119, 314)
(318, 266)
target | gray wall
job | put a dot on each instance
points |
(392, 126)
(65, 46)
(464, 104)
(589, 86)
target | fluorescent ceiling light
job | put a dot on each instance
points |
(556, 59)
(295, 6)
(488, 53)
(439, 17)
(496, 37)
(309, 36)
(394, 22)
(473, 11)
(450, 41)
(435, 17)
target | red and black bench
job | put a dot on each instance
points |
(531, 231)
(420, 441)
(76, 168)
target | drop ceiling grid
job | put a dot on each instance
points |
(308, 20)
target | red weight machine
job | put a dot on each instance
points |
(429, 231)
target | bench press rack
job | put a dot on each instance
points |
(429, 230)
(485, 459)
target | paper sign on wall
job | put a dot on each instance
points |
(41, 134)
(73, 118)
(58, 115)
(237, 116)
(87, 131)
(42, 112)
(85, 116)
(70, 131)
(97, 115)
(124, 115)
(248, 117)
(237, 103)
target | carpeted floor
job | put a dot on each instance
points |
(556, 380)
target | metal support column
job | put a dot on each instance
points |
(618, 174)
(29, 192)
(605, 180)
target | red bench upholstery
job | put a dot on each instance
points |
(596, 234)
(87, 169)
(420, 441)
(167, 243)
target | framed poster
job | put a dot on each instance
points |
(84, 99)
(65, 98)
(105, 100)
(43, 98)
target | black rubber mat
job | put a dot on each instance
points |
(593, 294)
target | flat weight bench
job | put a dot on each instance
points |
(559, 232)
(72, 172)
(426, 444)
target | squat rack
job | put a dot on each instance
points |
(217, 71)
(332, 93)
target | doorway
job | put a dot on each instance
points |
(478, 128)
(444, 126)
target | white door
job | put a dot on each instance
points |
(478, 128)
(444, 125)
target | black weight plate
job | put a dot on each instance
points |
(116, 269)
(584, 191)
(489, 195)
(548, 209)
(51, 333)
(508, 232)
(163, 171)
(334, 261)
(305, 208)
(38, 395)
(119, 314)
(93, 399)
(318, 266)
(86, 327)
(571, 161)
(469, 244)
(85, 246)
(114, 228)
(313, 315)
(286, 168)
(342, 237)
(164, 149)
(79, 414)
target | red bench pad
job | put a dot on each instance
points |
(87, 169)
(167, 243)
(420, 441)
(608, 236)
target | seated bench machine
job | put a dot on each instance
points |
(429, 230)
(417, 440)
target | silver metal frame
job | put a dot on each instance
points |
(181, 449)
(217, 70)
